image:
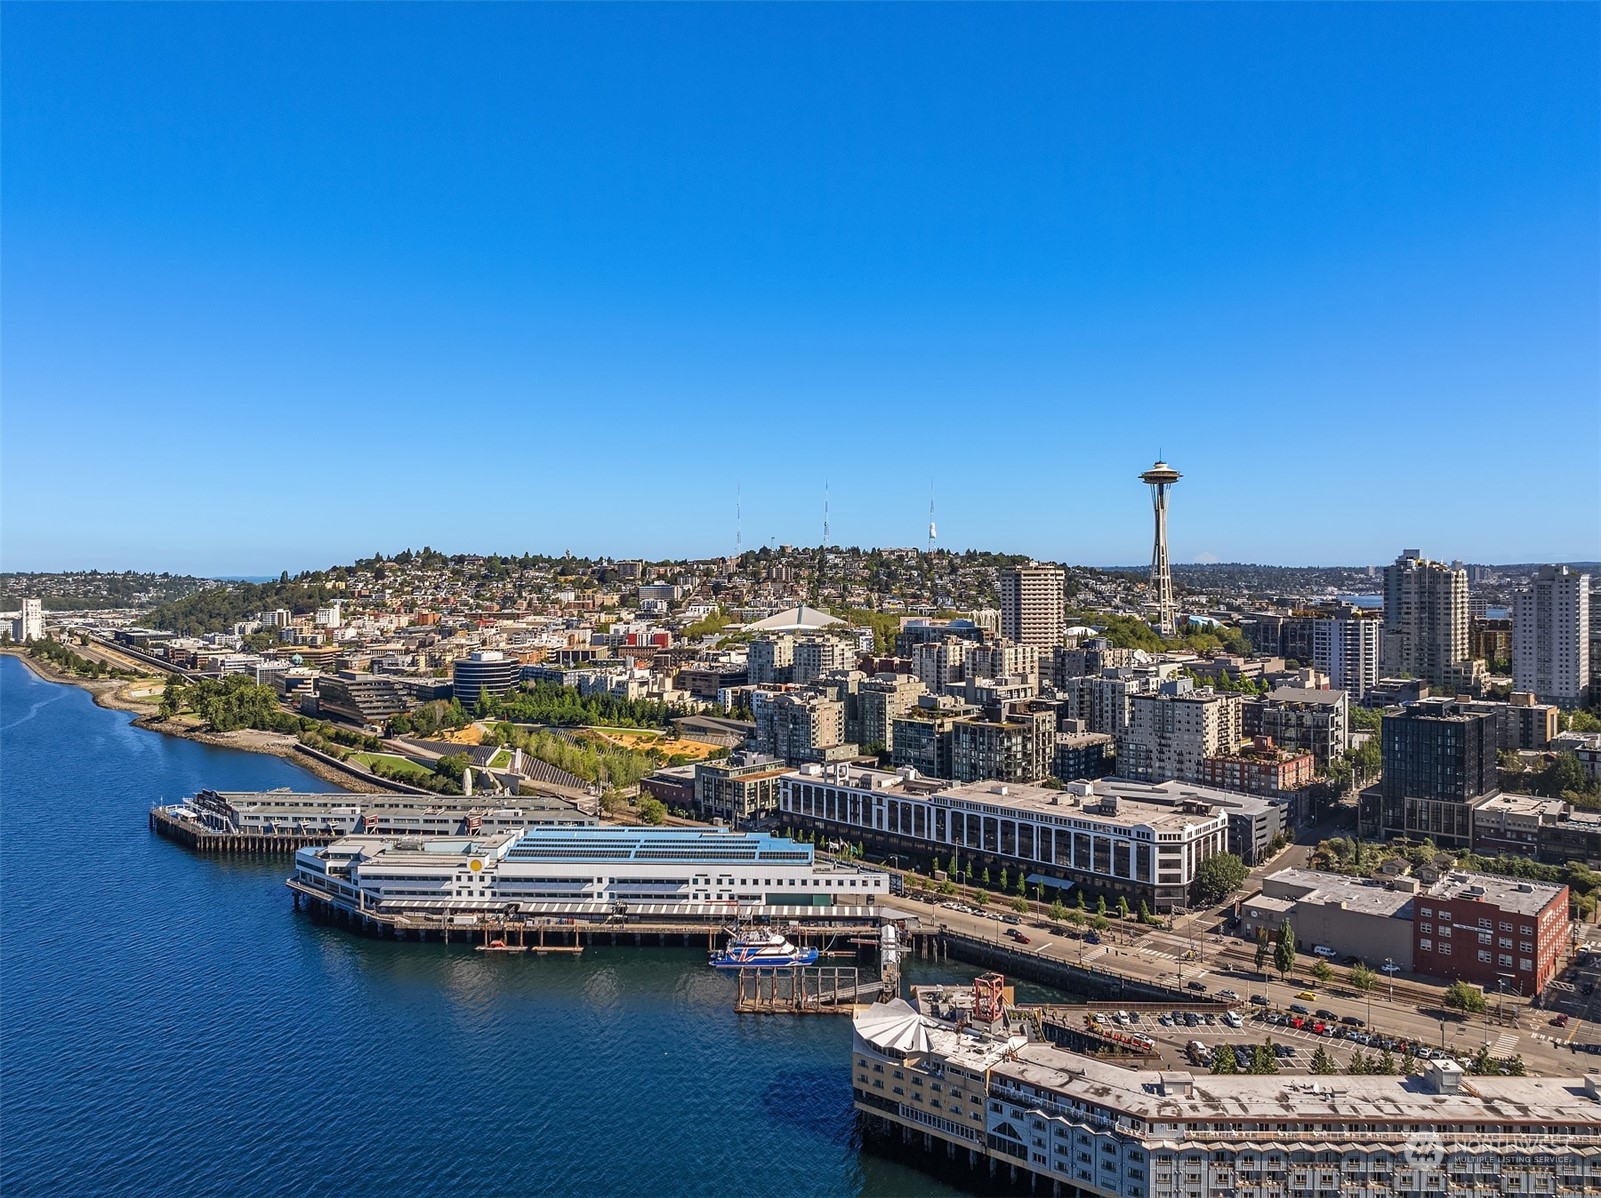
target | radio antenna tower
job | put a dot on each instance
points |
(739, 531)
(931, 518)
(825, 513)
(1159, 478)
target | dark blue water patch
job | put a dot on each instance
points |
(170, 1025)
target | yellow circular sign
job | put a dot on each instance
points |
(475, 865)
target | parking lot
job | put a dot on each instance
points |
(1172, 1031)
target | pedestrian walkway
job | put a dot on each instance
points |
(1504, 1045)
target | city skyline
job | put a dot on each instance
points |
(266, 288)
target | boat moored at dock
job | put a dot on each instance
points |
(759, 950)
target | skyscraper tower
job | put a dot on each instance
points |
(1159, 478)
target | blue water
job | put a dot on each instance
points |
(169, 1025)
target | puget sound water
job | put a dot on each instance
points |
(169, 1025)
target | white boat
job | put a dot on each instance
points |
(752, 950)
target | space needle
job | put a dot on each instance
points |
(1159, 478)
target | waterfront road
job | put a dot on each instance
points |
(1403, 1007)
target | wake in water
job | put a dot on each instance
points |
(32, 711)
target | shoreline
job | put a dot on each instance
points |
(112, 694)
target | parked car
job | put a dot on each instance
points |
(1323, 950)
(1242, 1058)
(1389, 967)
(1093, 937)
(1352, 1021)
(1233, 1020)
(1260, 1000)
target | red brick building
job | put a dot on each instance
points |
(1486, 929)
(1261, 769)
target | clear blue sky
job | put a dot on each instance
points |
(288, 284)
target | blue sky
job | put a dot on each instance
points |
(287, 284)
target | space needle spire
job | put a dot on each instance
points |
(1160, 478)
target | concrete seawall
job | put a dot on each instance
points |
(1017, 962)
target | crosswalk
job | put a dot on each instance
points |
(1504, 1045)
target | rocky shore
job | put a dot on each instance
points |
(142, 697)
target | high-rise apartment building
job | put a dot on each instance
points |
(1551, 637)
(798, 726)
(883, 700)
(1347, 650)
(1031, 604)
(1002, 660)
(1425, 620)
(1439, 762)
(1016, 745)
(1171, 733)
(939, 664)
(815, 656)
(771, 659)
(31, 626)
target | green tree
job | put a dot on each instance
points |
(1322, 972)
(1386, 1063)
(1022, 885)
(1122, 908)
(1078, 900)
(1075, 917)
(1261, 957)
(1516, 1067)
(1359, 1063)
(1561, 775)
(172, 697)
(1100, 923)
(937, 868)
(1284, 950)
(1264, 1059)
(1006, 880)
(1145, 912)
(1100, 904)
(981, 898)
(1223, 1060)
(1219, 876)
(1020, 905)
(947, 888)
(1322, 1062)
(1058, 911)
(1363, 978)
(986, 877)
(652, 811)
(1460, 996)
(1367, 761)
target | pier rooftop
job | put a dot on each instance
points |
(666, 872)
(985, 1087)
